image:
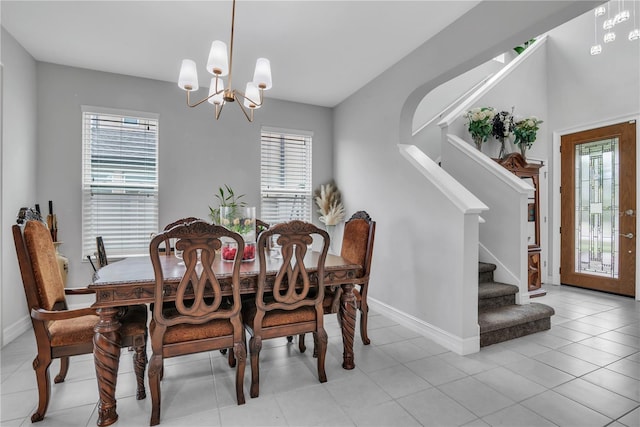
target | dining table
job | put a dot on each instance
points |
(131, 281)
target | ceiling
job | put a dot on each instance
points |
(320, 51)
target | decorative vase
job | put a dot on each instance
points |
(478, 140)
(330, 231)
(242, 220)
(63, 262)
(229, 250)
(523, 150)
(503, 149)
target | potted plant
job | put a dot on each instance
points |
(525, 131)
(236, 216)
(480, 124)
(226, 198)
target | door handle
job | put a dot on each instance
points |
(629, 212)
(627, 235)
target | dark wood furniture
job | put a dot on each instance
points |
(291, 304)
(357, 247)
(60, 332)
(261, 226)
(530, 172)
(131, 281)
(167, 242)
(195, 322)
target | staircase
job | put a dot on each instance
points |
(499, 317)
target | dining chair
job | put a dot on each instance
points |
(167, 242)
(357, 247)
(261, 226)
(202, 319)
(59, 331)
(294, 304)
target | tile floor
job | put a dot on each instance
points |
(585, 371)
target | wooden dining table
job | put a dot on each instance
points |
(131, 281)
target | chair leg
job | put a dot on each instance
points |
(315, 345)
(240, 350)
(321, 344)
(255, 345)
(64, 368)
(232, 358)
(41, 366)
(155, 371)
(289, 338)
(139, 365)
(364, 316)
(301, 345)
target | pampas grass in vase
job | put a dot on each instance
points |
(330, 207)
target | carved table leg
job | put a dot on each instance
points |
(348, 316)
(106, 354)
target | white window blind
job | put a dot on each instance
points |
(119, 181)
(285, 179)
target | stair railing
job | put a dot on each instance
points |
(504, 233)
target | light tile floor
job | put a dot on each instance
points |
(585, 371)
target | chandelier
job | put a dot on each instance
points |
(220, 65)
(610, 23)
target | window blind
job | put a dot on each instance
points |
(285, 178)
(119, 181)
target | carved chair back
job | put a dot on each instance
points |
(199, 241)
(167, 241)
(292, 286)
(357, 240)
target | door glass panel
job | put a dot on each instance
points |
(597, 205)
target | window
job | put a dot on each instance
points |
(285, 179)
(119, 180)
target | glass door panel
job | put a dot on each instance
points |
(597, 197)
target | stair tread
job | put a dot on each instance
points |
(495, 289)
(484, 267)
(512, 315)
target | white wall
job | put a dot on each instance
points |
(412, 265)
(439, 102)
(197, 154)
(19, 143)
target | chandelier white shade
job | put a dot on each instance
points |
(220, 63)
(188, 79)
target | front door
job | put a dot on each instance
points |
(598, 202)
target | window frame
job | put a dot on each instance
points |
(268, 192)
(138, 188)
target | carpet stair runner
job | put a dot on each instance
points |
(499, 317)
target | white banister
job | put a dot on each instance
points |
(491, 83)
(452, 189)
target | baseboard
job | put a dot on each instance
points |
(461, 346)
(16, 329)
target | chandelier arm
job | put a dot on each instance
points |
(243, 96)
(202, 100)
(219, 110)
(250, 118)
